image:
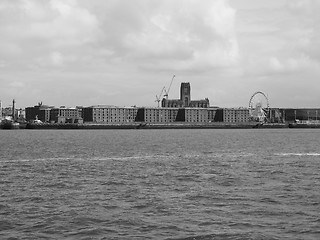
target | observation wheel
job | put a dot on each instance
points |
(259, 107)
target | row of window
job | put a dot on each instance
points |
(167, 115)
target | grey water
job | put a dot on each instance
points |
(160, 184)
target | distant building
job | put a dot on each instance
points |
(185, 99)
(302, 114)
(196, 115)
(275, 115)
(212, 114)
(109, 114)
(7, 113)
(20, 114)
(236, 115)
(65, 115)
(170, 115)
(40, 112)
(159, 115)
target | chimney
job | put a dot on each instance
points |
(0, 110)
(13, 110)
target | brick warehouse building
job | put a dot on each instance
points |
(40, 112)
(109, 114)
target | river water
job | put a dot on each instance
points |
(160, 184)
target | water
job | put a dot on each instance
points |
(160, 184)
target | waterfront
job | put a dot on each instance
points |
(160, 184)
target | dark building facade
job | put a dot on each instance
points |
(161, 115)
(283, 115)
(185, 99)
(301, 114)
(40, 112)
(185, 94)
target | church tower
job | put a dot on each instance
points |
(185, 94)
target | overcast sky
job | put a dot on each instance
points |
(123, 52)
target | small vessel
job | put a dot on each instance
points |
(9, 124)
(305, 124)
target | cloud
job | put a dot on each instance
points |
(226, 48)
(293, 64)
(186, 35)
(152, 34)
(303, 6)
(16, 84)
(34, 29)
(281, 39)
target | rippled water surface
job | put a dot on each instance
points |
(160, 184)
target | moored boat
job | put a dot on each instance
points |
(305, 124)
(9, 124)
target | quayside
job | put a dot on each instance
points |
(154, 126)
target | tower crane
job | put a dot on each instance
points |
(167, 92)
(158, 97)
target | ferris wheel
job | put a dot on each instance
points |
(259, 107)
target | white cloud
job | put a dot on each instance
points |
(184, 33)
(218, 47)
(294, 64)
(33, 29)
(194, 36)
(16, 84)
(280, 39)
(57, 58)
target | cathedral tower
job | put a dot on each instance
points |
(185, 94)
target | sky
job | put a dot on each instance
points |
(122, 53)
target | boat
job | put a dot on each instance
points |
(305, 124)
(9, 124)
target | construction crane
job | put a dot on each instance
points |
(167, 92)
(158, 97)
